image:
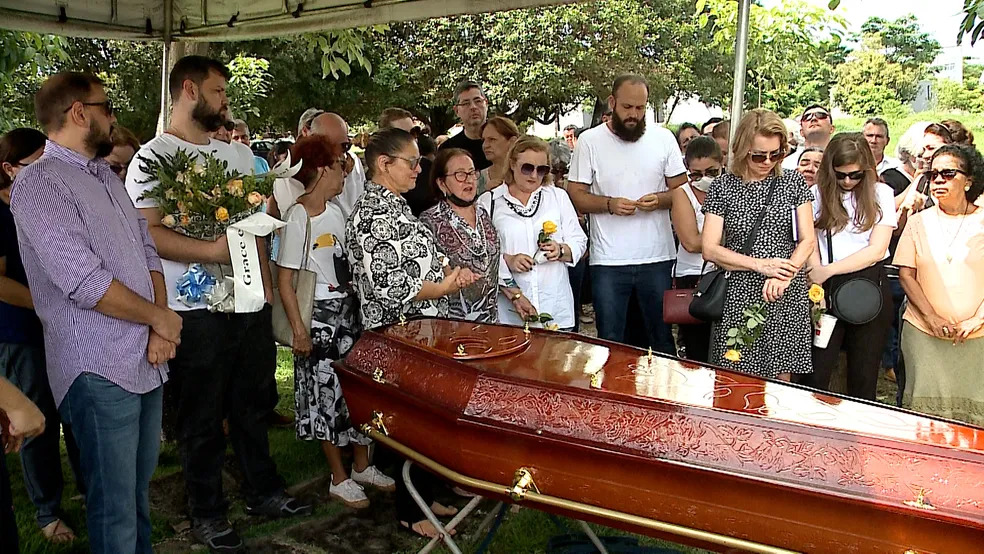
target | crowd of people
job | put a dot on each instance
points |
(491, 225)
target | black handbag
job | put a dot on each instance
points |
(855, 298)
(712, 289)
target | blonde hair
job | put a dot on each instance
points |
(525, 143)
(758, 122)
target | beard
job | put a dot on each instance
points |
(626, 133)
(99, 141)
(208, 118)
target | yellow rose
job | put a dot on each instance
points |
(732, 355)
(222, 215)
(168, 221)
(235, 187)
(182, 207)
(549, 227)
(551, 326)
(255, 198)
(816, 294)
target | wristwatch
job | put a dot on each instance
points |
(517, 296)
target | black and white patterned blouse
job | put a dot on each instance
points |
(392, 253)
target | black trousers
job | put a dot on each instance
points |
(864, 345)
(223, 369)
(696, 339)
(427, 485)
(8, 525)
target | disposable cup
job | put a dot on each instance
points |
(823, 330)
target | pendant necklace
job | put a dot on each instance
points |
(953, 239)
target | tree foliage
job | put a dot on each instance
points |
(869, 79)
(250, 82)
(904, 42)
(23, 58)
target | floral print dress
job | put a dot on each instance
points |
(392, 253)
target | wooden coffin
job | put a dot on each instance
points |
(606, 425)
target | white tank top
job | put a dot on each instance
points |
(689, 263)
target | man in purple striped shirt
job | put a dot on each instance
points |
(98, 287)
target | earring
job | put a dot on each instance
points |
(967, 188)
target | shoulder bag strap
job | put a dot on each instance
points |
(753, 234)
(830, 248)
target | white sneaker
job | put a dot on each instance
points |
(350, 492)
(374, 477)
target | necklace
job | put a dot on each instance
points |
(953, 239)
(482, 251)
(523, 211)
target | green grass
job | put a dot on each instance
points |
(526, 531)
(898, 126)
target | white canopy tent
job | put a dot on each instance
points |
(223, 20)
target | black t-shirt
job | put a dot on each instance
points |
(420, 198)
(17, 325)
(473, 146)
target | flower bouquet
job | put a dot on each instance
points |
(198, 196)
(823, 323)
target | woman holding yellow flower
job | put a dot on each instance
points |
(540, 237)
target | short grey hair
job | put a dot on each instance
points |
(465, 86)
(241, 125)
(305, 121)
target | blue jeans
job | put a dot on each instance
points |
(24, 366)
(119, 436)
(576, 275)
(611, 288)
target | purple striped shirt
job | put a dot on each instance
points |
(78, 231)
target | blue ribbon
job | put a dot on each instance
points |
(195, 284)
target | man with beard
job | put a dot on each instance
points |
(816, 127)
(223, 365)
(621, 175)
(472, 108)
(98, 287)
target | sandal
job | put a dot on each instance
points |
(423, 529)
(58, 533)
(440, 510)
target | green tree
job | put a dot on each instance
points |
(250, 82)
(24, 56)
(904, 42)
(869, 79)
(953, 96)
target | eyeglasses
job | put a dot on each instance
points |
(816, 116)
(414, 162)
(762, 157)
(541, 170)
(117, 169)
(107, 106)
(947, 174)
(473, 102)
(854, 175)
(710, 172)
(229, 125)
(464, 176)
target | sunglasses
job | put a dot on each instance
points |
(414, 162)
(107, 106)
(464, 176)
(541, 170)
(762, 157)
(710, 172)
(117, 169)
(947, 174)
(229, 125)
(346, 146)
(816, 116)
(854, 175)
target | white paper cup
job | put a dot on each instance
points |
(823, 330)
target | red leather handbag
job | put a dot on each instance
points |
(676, 306)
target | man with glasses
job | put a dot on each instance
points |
(99, 290)
(225, 362)
(472, 108)
(816, 127)
(621, 175)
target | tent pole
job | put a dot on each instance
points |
(741, 60)
(166, 60)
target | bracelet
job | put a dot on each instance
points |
(610, 212)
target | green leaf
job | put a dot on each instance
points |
(730, 342)
(833, 4)
(733, 332)
(752, 323)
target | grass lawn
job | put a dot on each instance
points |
(525, 531)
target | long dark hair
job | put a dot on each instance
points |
(17, 144)
(846, 149)
(388, 142)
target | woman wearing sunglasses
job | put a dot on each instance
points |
(941, 261)
(855, 218)
(540, 236)
(465, 233)
(704, 162)
(764, 244)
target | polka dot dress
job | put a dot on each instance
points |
(784, 346)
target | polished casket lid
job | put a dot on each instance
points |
(618, 397)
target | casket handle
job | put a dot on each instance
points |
(379, 376)
(522, 483)
(376, 424)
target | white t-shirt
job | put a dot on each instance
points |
(137, 182)
(287, 190)
(691, 263)
(547, 285)
(245, 152)
(851, 239)
(616, 168)
(326, 256)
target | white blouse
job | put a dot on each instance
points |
(547, 285)
(851, 239)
